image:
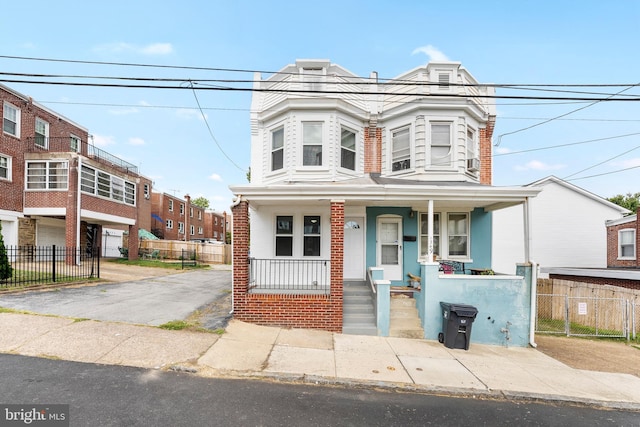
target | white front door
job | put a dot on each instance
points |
(389, 247)
(353, 267)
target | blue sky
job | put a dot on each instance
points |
(503, 42)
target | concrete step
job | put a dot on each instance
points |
(358, 317)
(404, 319)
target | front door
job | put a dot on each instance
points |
(389, 247)
(353, 267)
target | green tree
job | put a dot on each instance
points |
(200, 202)
(5, 268)
(629, 201)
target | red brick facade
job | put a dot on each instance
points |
(177, 210)
(322, 312)
(486, 157)
(613, 260)
(372, 149)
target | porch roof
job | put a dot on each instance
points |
(377, 191)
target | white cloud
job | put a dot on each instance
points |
(136, 141)
(151, 49)
(124, 111)
(102, 140)
(215, 177)
(432, 52)
(538, 166)
(190, 114)
(629, 163)
(502, 150)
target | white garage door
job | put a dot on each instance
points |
(111, 241)
(49, 235)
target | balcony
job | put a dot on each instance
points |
(39, 144)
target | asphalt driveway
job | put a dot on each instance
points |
(150, 301)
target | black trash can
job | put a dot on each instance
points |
(457, 320)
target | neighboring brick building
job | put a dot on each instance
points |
(55, 188)
(173, 218)
(215, 225)
(623, 237)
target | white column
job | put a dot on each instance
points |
(429, 231)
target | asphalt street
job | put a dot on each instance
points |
(150, 301)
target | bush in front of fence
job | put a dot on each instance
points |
(5, 268)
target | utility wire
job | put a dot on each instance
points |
(603, 162)
(549, 147)
(605, 173)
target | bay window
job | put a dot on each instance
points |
(348, 149)
(441, 144)
(312, 143)
(277, 149)
(401, 149)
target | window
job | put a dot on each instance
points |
(284, 236)
(473, 163)
(100, 183)
(199, 214)
(48, 175)
(627, 244)
(74, 143)
(181, 227)
(170, 205)
(200, 231)
(11, 120)
(441, 144)
(311, 246)
(146, 191)
(169, 224)
(312, 144)
(192, 230)
(215, 220)
(215, 234)
(457, 231)
(5, 167)
(400, 149)
(312, 78)
(181, 209)
(42, 133)
(190, 212)
(277, 149)
(424, 235)
(348, 149)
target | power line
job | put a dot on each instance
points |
(549, 147)
(605, 173)
(603, 162)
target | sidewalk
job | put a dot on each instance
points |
(247, 350)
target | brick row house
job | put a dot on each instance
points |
(173, 218)
(352, 175)
(56, 188)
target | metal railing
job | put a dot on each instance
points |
(303, 276)
(62, 144)
(33, 265)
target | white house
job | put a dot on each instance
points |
(567, 228)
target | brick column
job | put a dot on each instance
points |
(240, 248)
(71, 220)
(486, 159)
(337, 260)
(133, 242)
(372, 149)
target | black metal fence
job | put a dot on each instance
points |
(304, 276)
(34, 265)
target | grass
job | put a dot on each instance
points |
(155, 263)
(558, 326)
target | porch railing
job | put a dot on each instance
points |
(34, 265)
(304, 276)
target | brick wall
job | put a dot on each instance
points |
(372, 149)
(486, 148)
(612, 245)
(322, 312)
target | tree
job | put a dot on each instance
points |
(5, 268)
(200, 202)
(629, 201)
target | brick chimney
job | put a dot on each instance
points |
(373, 147)
(486, 159)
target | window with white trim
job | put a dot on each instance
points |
(146, 191)
(74, 143)
(284, 235)
(199, 214)
(348, 149)
(441, 144)
(192, 230)
(5, 167)
(424, 235)
(181, 209)
(181, 227)
(277, 149)
(42, 133)
(47, 175)
(170, 224)
(458, 234)
(627, 244)
(311, 237)
(312, 143)
(11, 119)
(473, 163)
(103, 184)
(200, 230)
(190, 212)
(401, 149)
(170, 205)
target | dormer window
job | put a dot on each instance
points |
(312, 143)
(400, 149)
(312, 78)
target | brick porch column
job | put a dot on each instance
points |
(240, 248)
(337, 260)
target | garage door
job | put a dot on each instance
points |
(49, 235)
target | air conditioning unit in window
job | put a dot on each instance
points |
(473, 165)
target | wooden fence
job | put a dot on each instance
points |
(208, 253)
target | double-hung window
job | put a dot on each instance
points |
(401, 149)
(181, 209)
(312, 143)
(277, 149)
(348, 149)
(169, 224)
(47, 175)
(441, 144)
(42, 133)
(170, 205)
(311, 246)
(74, 143)
(5, 167)
(11, 120)
(192, 230)
(458, 233)
(627, 244)
(424, 235)
(284, 235)
(180, 227)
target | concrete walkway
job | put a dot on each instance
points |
(247, 350)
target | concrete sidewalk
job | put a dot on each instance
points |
(247, 350)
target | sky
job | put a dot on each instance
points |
(197, 142)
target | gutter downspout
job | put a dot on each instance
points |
(79, 208)
(526, 207)
(235, 203)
